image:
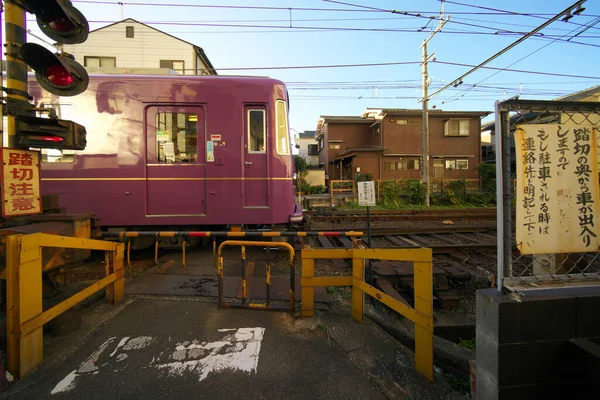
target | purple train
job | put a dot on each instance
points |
(176, 152)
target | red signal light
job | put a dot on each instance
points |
(58, 75)
(54, 139)
(62, 25)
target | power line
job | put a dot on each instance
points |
(526, 56)
(458, 80)
(522, 71)
(216, 6)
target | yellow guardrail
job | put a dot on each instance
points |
(333, 189)
(421, 314)
(25, 315)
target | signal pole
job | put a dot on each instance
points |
(426, 58)
(16, 70)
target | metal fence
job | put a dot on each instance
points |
(518, 271)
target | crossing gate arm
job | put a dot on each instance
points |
(244, 303)
(25, 315)
(421, 314)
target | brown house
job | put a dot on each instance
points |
(387, 143)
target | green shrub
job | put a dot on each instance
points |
(316, 189)
(391, 192)
(415, 191)
(487, 174)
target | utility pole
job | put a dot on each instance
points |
(426, 58)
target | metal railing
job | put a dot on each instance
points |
(25, 315)
(342, 189)
(245, 298)
(128, 236)
(421, 314)
(542, 143)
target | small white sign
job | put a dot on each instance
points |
(366, 193)
(210, 151)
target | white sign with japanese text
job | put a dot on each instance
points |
(20, 182)
(557, 188)
(366, 193)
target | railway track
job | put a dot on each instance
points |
(442, 240)
(401, 215)
(453, 253)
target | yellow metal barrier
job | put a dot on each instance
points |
(25, 315)
(333, 189)
(421, 314)
(267, 305)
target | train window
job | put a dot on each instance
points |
(176, 137)
(283, 142)
(256, 131)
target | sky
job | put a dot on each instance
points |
(340, 57)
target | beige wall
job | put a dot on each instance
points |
(144, 50)
(315, 177)
(303, 151)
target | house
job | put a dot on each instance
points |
(388, 144)
(130, 46)
(309, 147)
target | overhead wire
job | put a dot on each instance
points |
(589, 25)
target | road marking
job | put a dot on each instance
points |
(237, 350)
(68, 383)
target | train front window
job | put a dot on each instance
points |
(256, 131)
(283, 143)
(176, 137)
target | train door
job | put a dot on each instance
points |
(255, 167)
(175, 161)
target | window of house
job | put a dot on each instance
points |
(89, 61)
(63, 111)
(257, 133)
(390, 166)
(313, 150)
(334, 146)
(402, 165)
(450, 164)
(438, 168)
(129, 31)
(462, 164)
(408, 122)
(456, 127)
(413, 164)
(176, 137)
(283, 141)
(175, 65)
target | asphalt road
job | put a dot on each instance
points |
(182, 349)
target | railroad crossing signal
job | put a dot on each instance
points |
(50, 133)
(57, 73)
(59, 20)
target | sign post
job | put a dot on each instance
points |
(366, 197)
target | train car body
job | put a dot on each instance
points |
(175, 152)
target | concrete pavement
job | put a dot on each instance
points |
(158, 348)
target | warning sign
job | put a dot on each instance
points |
(366, 193)
(20, 171)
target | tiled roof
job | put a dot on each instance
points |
(582, 94)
